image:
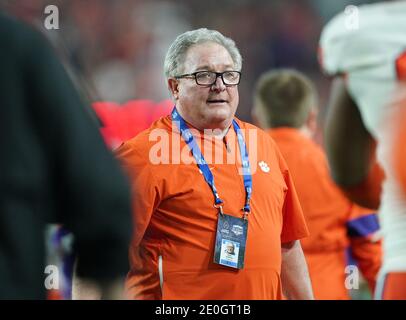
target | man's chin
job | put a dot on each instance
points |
(219, 110)
(219, 120)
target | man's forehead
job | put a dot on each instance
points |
(208, 56)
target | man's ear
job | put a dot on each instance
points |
(173, 86)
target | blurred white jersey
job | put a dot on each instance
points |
(367, 51)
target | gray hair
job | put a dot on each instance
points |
(176, 53)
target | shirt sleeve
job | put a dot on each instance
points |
(145, 191)
(146, 197)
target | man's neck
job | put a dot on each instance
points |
(219, 131)
(304, 130)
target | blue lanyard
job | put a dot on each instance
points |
(204, 168)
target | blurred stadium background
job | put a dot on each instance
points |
(117, 47)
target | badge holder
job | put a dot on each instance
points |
(231, 238)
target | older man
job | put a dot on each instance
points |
(188, 207)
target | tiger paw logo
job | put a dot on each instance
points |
(264, 166)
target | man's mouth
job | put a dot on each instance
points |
(216, 101)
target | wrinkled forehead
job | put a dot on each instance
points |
(207, 56)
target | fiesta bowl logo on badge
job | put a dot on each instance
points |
(237, 230)
(225, 228)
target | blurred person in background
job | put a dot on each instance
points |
(367, 60)
(54, 168)
(285, 104)
(181, 224)
(121, 122)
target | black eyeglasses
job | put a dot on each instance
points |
(208, 78)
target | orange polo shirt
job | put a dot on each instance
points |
(171, 256)
(331, 218)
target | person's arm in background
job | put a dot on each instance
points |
(92, 196)
(365, 245)
(351, 149)
(295, 277)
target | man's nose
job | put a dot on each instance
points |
(219, 84)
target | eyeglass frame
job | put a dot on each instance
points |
(218, 74)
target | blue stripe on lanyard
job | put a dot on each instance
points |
(245, 165)
(204, 168)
